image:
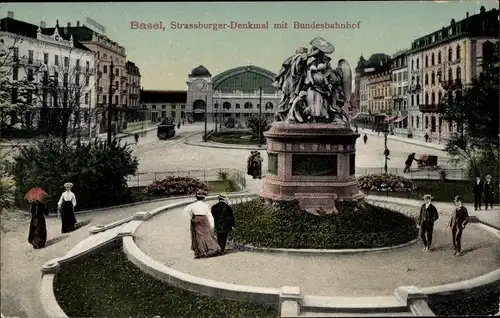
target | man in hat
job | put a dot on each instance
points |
(488, 193)
(257, 166)
(224, 221)
(408, 162)
(428, 215)
(459, 218)
(250, 162)
(477, 189)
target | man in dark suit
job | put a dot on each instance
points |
(488, 193)
(477, 189)
(408, 162)
(428, 215)
(224, 221)
(459, 218)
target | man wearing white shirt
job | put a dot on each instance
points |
(202, 226)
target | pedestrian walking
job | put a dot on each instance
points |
(257, 166)
(224, 221)
(428, 215)
(38, 227)
(409, 162)
(459, 219)
(477, 189)
(250, 167)
(488, 193)
(66, 209)
(365, 138)
(202, 226)
(136, 137)
(178, 125)
(426, 137)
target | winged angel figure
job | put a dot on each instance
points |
(313, 92)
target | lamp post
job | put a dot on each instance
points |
(260, 115)
(386, 150)
(206, 108)
(216, 119)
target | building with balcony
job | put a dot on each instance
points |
(380, 93)
(107, 52)
(399, 111)
(363, 71)
(450, 59)
(48, 71)
(133, 85)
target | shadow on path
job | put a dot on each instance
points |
(55, 240)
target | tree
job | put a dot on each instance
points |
(253, 123)
(47, 99)
(475, 110)
(99, 172)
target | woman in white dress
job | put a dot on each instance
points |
(66, 208)
(203, 243)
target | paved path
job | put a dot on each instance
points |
(21, 264)
(166, 239)
(418, 142)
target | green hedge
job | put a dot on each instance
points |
(108, 285)
(285, 225)
(475, 303)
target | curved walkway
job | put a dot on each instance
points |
(166, 239)
(20, 263)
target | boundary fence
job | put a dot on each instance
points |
(425, 173)
(143, 179)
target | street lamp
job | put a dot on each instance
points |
(216, 118)
(386, 150)
(260, 115)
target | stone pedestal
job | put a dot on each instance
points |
(312, 163)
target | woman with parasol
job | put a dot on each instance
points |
(66, 207)
(38, 228)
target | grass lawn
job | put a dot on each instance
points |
(108, 285)
(233, 137)
(215, 187)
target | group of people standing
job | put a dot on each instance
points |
(483, 190)
(210, 227)
(65, 209)
(429, 215)
(254, 164)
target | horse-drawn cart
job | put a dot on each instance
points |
(428, 161)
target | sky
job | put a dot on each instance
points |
(166, 56)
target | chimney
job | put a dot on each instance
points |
(69, 24)
(42, 24)
(77, 23)
(467, 15)
(10, 14)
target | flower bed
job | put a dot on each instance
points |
(108, 285)
(175, 186)
(285, 225)
(385, 182)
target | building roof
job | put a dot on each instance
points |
(159, 96)
(200, 71)
(132, 68)
(30, 30)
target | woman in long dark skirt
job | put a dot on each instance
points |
(66, 206)
(38, 227)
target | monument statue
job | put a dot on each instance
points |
(314, 92)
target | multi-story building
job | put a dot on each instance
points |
(115, 83)
(380, 94)
(361, 81)
(450, 59)
(133, 85)
(399, 111)
(158, 105)
(60, 72)
(415, 92)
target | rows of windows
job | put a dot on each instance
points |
(432, 123)
(436, 61)
(399, 77)
(173, 106)
(433, 76)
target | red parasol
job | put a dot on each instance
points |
(35, 194)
